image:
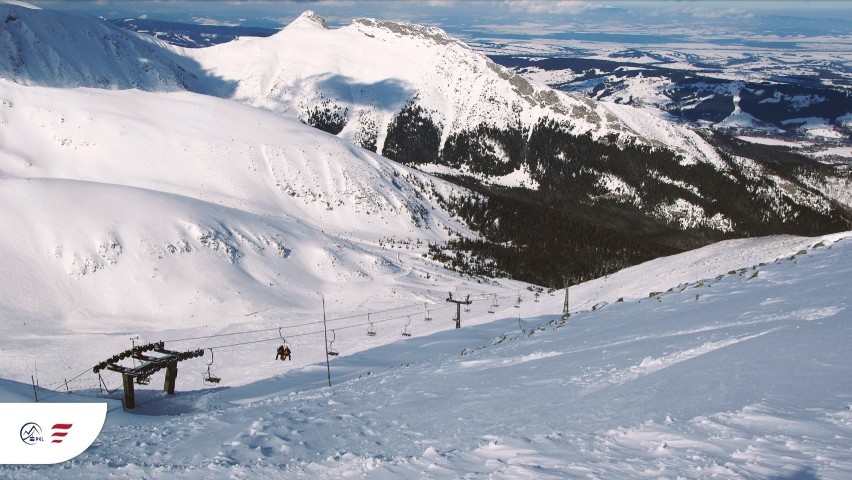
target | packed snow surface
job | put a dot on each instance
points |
(736, 371)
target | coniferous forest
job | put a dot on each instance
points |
(569, 226)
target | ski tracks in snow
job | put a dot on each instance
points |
(599, 380)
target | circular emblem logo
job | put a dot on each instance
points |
(31, 433)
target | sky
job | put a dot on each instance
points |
(472, 18)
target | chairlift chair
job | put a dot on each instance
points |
(493, 307)
(371, 331)
(405, 332)
(330, 350)
(143, 380)
(209, 378)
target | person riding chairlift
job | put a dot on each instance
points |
(283, 353)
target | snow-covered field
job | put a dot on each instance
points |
(737, 371)
(133, 216)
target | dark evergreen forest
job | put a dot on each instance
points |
(570, 226)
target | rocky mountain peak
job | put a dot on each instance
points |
(309, 18)
(433, 34)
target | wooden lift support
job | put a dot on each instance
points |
(459, 303)
(167, 359)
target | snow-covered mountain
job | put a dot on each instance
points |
(418, 96)
(369, 70)
(363, 74)
(737, 92)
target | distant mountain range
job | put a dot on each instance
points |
(565, 186)
(809, 114)
(190, 35)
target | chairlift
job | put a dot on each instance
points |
(518, 302)
(143, 380)
(405, 332)
(371, 331)
(330, 350)
(209, 378)
(428, 314)
(493, 307)
(283, 340)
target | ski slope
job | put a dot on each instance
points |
(727, 375)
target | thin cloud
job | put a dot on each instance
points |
(550, 7)
(728, 12)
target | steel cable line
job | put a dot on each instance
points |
(317, 322)
(417, 305)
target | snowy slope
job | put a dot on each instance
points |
(728, 375)
(44, 47)
(128, 212)
(213, 150)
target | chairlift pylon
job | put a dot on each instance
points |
(518, 302)
(209, 378)
(330, 350)
(428, 317)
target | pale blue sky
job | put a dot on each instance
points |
(471, 18)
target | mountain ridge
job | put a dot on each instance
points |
(426, 100)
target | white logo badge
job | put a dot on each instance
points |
(47, 433)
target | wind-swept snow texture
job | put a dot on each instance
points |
(736, 375)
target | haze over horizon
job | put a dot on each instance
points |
(692, 20)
